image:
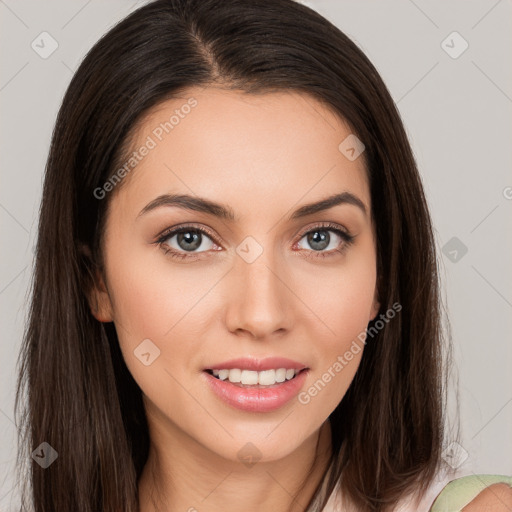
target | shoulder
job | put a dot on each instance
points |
(472, 493)
(496, 498)
(475, 493)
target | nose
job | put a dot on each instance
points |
(259, 302)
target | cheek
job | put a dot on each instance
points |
(157, 303)
(339, 298)
(342, 301)
(154, 299)
(166, 303)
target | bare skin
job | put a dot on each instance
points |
(495, 498)
(264, 157)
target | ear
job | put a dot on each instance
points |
(99, 300)
(375, 306)
(96, 290)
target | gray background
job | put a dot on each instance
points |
(457, 112)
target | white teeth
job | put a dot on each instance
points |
(235, 375)
(223, 374)
(281, 375)
(267, 378)
(250, 377)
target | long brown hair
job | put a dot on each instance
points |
(79, 395)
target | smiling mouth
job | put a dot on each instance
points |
(237, 381)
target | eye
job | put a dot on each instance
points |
(191, 241)
(323, 243)
(186, 241)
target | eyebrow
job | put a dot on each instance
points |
(221, 211)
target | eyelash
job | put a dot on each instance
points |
(345, 236)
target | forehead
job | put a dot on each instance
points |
(233, 146)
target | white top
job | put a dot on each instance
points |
(335, 504)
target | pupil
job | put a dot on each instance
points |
(189, 237)
(319, 239)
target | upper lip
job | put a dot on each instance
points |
(259, 365)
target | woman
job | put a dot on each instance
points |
(235, 303)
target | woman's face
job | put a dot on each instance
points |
(269, 279)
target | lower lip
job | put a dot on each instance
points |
(257, 399)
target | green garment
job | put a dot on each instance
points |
(458, 493)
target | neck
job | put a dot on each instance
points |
(182, 475)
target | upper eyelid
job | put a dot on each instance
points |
(328, 226)
(167, 233)
(325, 225)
